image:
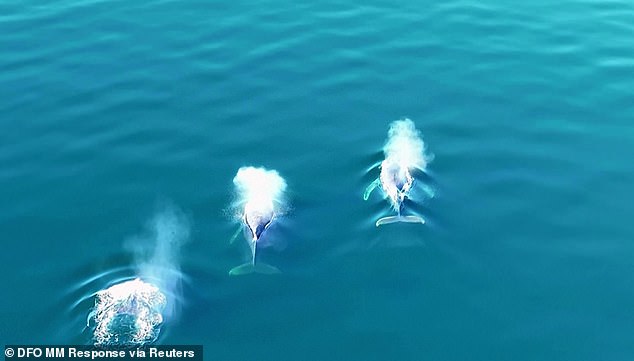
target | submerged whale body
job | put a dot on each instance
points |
(256, 221)
(396, 181)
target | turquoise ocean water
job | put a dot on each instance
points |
(111, 108)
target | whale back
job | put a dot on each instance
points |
(396, 182)
(257, 217)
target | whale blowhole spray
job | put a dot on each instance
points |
(131, 313)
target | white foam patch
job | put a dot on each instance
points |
(128, 313)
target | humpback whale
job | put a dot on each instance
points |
(261, 192)
(404, 152)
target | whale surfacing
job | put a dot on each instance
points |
(404, 153)
(261, 194)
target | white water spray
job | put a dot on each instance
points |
(259, 190)
(132, 312)
(404, 146)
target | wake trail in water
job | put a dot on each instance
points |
(132, 312)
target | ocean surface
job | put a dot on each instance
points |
(111, 110)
